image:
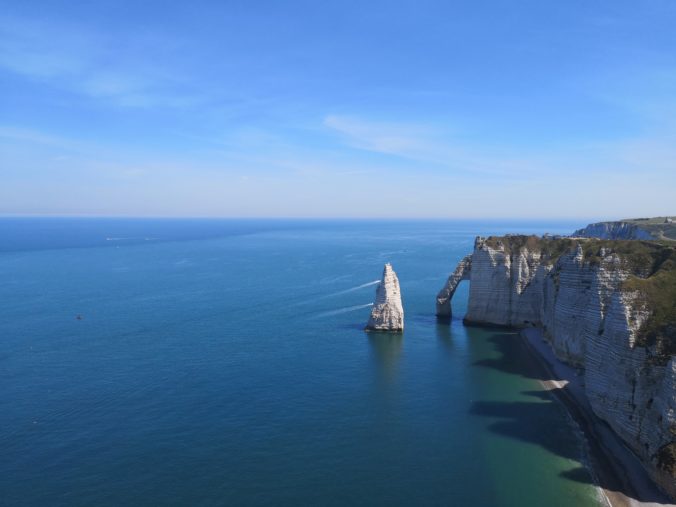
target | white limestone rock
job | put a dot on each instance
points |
(613, 230)
(591, 322)
(462, 272)
(387, 313)
(505, 289)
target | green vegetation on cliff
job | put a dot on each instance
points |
(651, 266)
(658, 292)
(666, 459)
(550, 248)
(658, 227)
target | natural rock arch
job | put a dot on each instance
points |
(462, 272)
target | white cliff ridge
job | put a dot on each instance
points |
(387, 313)
(606, 307)
(613, 230)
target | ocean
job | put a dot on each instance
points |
(224, 362)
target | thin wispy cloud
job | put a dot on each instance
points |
(10, 133)
(434, 149)
(77, 59)
(235, 110)
(437, 150)
(381, 137)
(431, 147)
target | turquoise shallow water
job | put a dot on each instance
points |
(224, 363)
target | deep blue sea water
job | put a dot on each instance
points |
(224, 363)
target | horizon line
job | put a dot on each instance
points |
(316, 218)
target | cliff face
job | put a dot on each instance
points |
(505, 289)
(608, 307)
(387, 313)
(655, 228)
(613, 230)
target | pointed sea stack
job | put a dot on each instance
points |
(387, 313)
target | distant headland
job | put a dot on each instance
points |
(657, 228)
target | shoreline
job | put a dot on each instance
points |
(617, 472)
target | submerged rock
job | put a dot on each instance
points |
(387, 313)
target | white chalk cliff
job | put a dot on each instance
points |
(600, 311)
(387, 313)
(613, 230)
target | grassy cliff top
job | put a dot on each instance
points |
(550, 248)
(641, 257)
(652, 268)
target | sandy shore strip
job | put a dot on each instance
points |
(619, 474)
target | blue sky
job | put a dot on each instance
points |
(485, 109)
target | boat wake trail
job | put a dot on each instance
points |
(334, 294)
(351, 289)
(342, 310)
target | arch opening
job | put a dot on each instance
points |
(462, 272)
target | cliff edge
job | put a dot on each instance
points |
(607, 307)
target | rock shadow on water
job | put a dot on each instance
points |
(386, 352)
(514, 357)
(444, 336)
(528, 422)
(543, 395)
(538, 422)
